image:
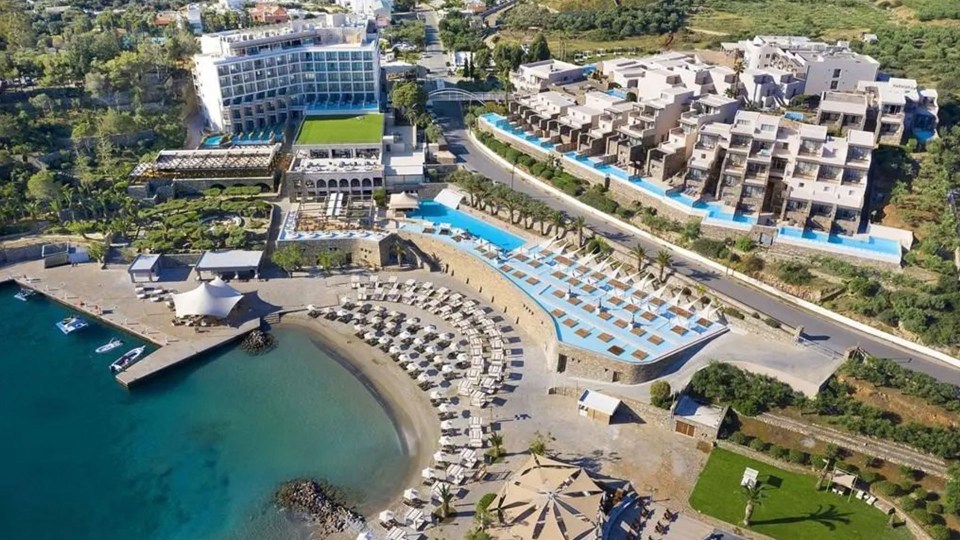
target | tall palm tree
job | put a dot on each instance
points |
(446, 497)
(578, 225)
(754, 495)
(599, 245)
(640, 254)
(663, 261)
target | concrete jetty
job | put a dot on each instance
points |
(175, 354)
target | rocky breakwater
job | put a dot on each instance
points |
(319, 504)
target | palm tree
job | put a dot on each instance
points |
(754, 495)
(538, 444)
(483, 516)
(496, 444)
(640, 254)
(578, 224)
(446, 497)
(398, 249)
(663, 261)
(598, 244)
(558, 221)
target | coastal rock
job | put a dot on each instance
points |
(320, 504)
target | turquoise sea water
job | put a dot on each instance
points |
(193, 454)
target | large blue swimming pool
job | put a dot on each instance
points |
(439, 213)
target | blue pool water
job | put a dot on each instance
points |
(617, 93)
(872, 243)
(793, 116)
(924, 135)
(439, 213)
(192, 455)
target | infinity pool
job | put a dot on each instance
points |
(439, 213)
(872, 243)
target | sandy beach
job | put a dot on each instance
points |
(409, 407)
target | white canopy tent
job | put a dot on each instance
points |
(213, 299)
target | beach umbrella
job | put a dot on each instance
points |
(445, 408)
(411, 495)
(446, 369)
(413, 368)
(403, 358)
(446, 441)
(384, 340)
(436, 395)
(418, 342)
(440, 457)
(439, 359)
(447, 336)
(393, 313)
(423, 377)
(366, 535)
(414, 321)
(428, 474)
(376, 320)
(370, 336)
(358, 328)
(404, 336)
(386, 516)
(430, 329)
(462, 357)
(430, 350)
(446, 424)
(394, 349)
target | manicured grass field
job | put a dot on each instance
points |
(354, 128)
(791, 509)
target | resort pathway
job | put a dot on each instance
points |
(827, 333)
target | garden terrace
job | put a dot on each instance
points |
(210, 163)
(349, 129)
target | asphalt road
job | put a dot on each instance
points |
(823, 332)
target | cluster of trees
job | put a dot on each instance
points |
(414, 32)
(616, 22)
(292, 258)
(887, 373)
(748, 393)
(458, 32)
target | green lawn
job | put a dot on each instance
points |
(354, 128)
(791, 508)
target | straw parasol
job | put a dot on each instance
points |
(550, 500)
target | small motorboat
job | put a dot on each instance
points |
(110, 345)
(127, 359)
(24, 294)
(72, 324)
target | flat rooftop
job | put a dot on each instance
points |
(341, 129)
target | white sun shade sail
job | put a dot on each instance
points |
(213, 299)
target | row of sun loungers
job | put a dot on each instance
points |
(461, 371)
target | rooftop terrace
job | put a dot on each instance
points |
(341, 129)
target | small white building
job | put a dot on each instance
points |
(538, 76)
(597, 406)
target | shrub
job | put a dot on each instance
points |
(907, 486)
(738, 437)
(733, 312)
(885, 488)
(745, 243)
(794, 273)
(779, 452)
(799, 457)
(748, 393)
(707, 247)
(934, 507)
(771, 322)
(834, 451)
(661, 395)
(758, 445)
(921, 516)
(870, 476)
(752, 264)
(908, 503)
(939, 532)
(485, 501)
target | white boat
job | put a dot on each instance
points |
(24, 294)
(72, 324)
(110, 345)
(127, 359)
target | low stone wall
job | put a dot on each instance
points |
(364, 252)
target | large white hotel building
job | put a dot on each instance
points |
(258, 78)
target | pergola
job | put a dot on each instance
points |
(235, 261)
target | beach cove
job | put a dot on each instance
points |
(197, 452)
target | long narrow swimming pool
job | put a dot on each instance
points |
(439, 213)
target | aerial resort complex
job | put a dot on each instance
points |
(389, 270)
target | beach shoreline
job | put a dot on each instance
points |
(407, 406)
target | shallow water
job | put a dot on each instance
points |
(194, 454)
